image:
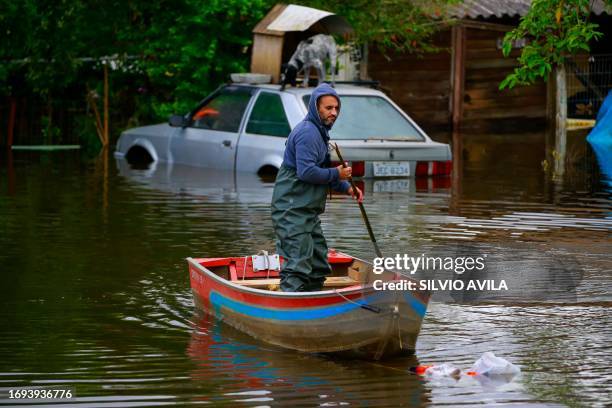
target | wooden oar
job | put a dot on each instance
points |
(361, 207)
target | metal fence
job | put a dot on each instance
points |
(34, 123)
(68, 121)
(589, 80)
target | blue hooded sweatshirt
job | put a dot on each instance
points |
(307, 146)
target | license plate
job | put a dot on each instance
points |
(391, 186)
(391, 169)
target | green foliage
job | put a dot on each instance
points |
(555, 29)
(397, 25)
(172, 53)
(86, 129)
(167, 55)
(50, 132)
(189, 47)
(44, 40)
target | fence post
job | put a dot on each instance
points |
(456, 112)
(560, 120)
(457, 74)
(105, 142)
(11, 123)
(363, 64)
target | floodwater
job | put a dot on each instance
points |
(95, 291)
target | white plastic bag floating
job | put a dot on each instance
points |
(442, 370)
(490, 364)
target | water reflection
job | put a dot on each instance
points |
(212, 185)
(227, 186)
(412, 216)
(241, 369)
(513, 273)
(96, 294)
(10, 172)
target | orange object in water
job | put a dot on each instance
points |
(420, 370)
(472, 373)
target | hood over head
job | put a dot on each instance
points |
(313, 113)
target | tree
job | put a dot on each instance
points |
(45, 42)
(398, 25)
(168, 54)
(555, 30)
(188, 47)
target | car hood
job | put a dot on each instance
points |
(148, 130)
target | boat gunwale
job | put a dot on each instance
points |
(316, 294)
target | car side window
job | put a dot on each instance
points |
(224, 112)
(268, 116)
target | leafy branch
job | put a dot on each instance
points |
(555, 30)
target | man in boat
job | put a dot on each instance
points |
(300, 192)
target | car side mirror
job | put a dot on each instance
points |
(177, 121)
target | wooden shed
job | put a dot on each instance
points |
(459, 86)
(277, 35)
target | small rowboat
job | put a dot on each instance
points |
(350, 316)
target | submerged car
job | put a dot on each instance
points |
(245, 127)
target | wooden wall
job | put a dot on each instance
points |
(421, 84)
(266, 55)
(485, 68)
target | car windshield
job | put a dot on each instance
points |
(370, 117)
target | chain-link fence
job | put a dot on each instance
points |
(589, 80)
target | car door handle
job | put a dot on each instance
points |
(227, 143)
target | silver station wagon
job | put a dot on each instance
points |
(244, 128)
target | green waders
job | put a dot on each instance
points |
(296, 206)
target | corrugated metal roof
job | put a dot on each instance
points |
(501, 8)
(489, 8)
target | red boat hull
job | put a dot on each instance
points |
(358, 320)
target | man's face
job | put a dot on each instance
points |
(328, 109)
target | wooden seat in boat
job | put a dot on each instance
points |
(240, 270)
(272, 284)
